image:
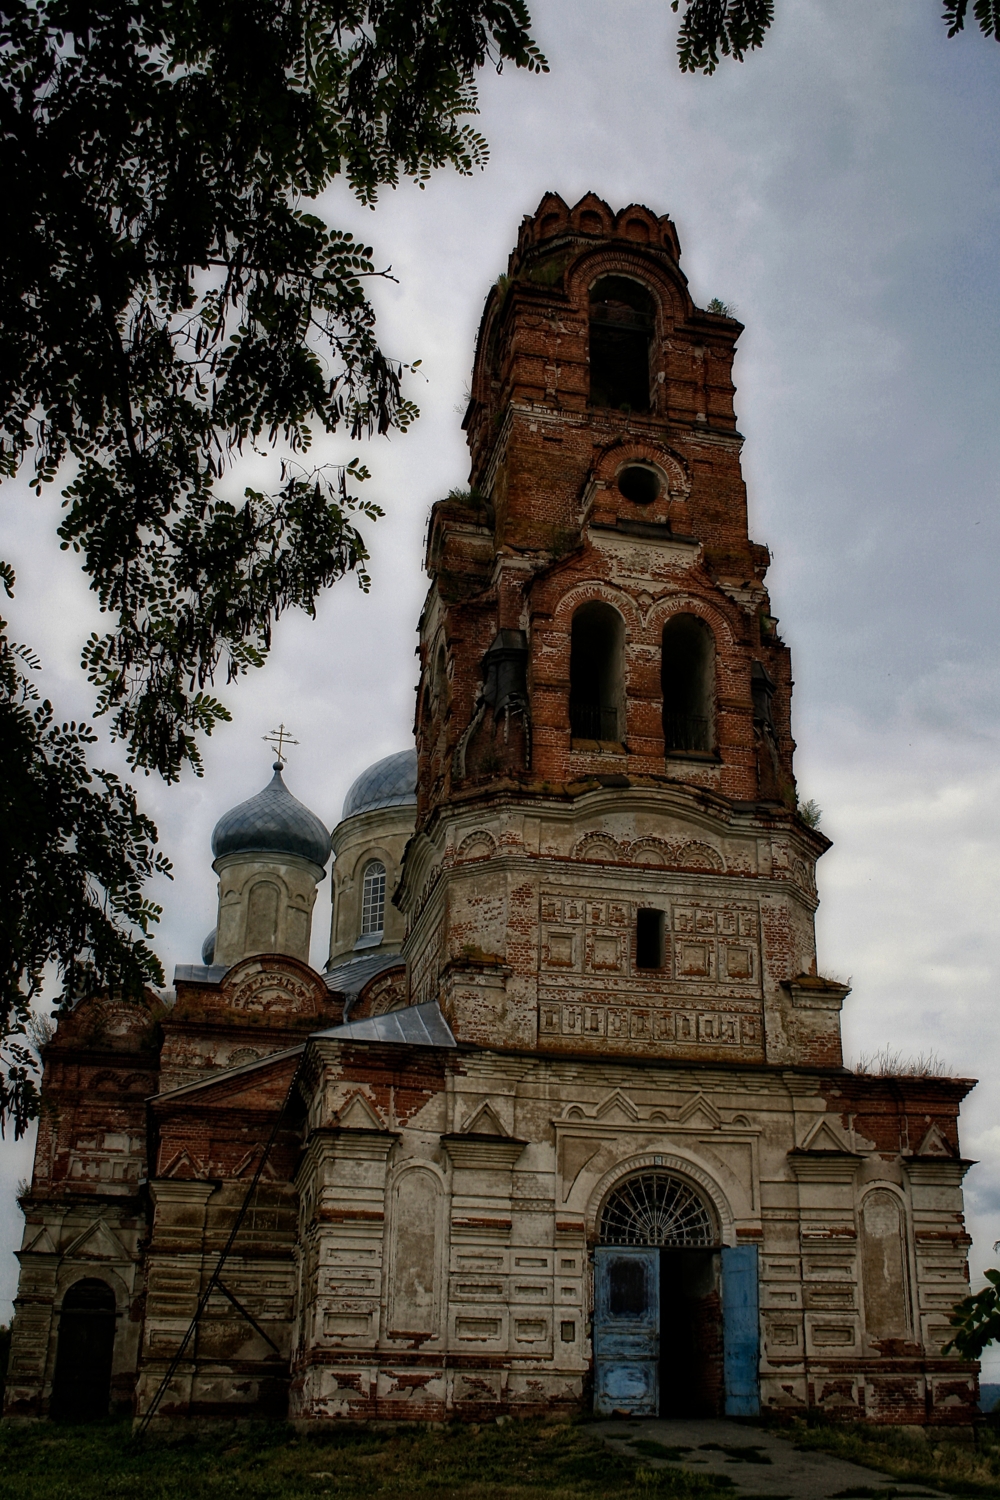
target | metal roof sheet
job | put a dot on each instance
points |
(415, 1026)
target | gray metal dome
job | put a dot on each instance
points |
(273, 822)
(391, 782)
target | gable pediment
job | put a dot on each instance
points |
(825, 1136)
(42, 1244)
(700, 1112)
(485, 1121)
(97, 1242)
(358, 1113)
(616, 1109)
(934, 1143)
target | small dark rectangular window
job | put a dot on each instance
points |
(648, 938)
(567, 1332)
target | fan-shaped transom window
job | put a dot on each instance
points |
(657, 1208)
(373, 898)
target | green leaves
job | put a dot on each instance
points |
(735, 27)
(976, 1320)
(170, 300)
(708, 27)
(986, 12)
(75, 853)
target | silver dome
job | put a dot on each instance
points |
(273, 822)
(391, 782)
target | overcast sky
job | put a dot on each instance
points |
(842, 190)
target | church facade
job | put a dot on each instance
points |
(564, 1124)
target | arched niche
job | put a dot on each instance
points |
(884, 1268)
(415, 1243)
(263, 907)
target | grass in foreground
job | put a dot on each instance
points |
(959, 1468)
(519, 1461)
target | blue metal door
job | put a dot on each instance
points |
(626, 1331)
(741, 1331)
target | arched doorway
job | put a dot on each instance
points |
(658, 1340)
(81, 1390)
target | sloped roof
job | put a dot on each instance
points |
(415, 1026)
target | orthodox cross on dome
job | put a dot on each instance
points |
(279, 738)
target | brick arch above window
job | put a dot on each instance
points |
(654, 276)
(663, 610)
(620, 455)
(596, 591)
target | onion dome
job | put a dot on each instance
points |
(208, 947)
(273, 822)
(391, 782)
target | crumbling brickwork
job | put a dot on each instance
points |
(609, 897)
(85, 1209)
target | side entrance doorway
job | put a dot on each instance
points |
(675, 1314)
(81, 1390)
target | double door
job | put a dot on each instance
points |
(676, 1332)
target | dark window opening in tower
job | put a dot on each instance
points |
(649, 926)
(440, 677)
(640, 484)
(622, 318)
(688, 680)
(597, 673)
(373, 898)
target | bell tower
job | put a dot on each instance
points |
(608, 851)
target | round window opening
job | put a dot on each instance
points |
(639, 484)
(656, 1208)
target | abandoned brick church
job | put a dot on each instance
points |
(564, 1123)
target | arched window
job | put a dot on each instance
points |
(656, 1208)
(597, 673)
(81, 1390)
(622, 319)
(688, 681)
(373, 898)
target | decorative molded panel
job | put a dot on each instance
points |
(705, 996)
(273, 987)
